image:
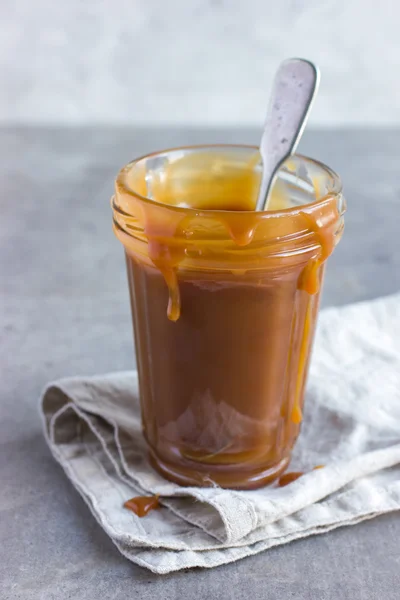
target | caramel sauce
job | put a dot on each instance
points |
(222, 378)
(229, 192)
(142, 505)
(287, 478)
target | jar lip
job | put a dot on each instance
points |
(124, 188)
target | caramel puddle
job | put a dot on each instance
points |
(142, 505)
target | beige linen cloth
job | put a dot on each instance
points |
(351, 425)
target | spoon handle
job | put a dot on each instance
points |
(295, 86)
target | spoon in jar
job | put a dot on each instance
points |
(294, 89)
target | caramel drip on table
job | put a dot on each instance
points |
(142, 505)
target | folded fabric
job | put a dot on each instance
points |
(351, 426)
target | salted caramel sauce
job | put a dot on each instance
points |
(224, 301)
(142, 505)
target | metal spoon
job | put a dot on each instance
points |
(295, 86)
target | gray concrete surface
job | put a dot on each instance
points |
(64, 310)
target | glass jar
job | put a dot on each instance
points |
(224, 304)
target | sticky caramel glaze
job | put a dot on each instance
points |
(287, 478)
(142, 505)
(222, 378)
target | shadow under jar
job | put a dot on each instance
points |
(224, 303)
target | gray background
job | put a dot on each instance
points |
(64, 310)
(202, 62)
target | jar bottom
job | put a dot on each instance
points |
(236, 480)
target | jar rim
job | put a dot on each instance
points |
(124, 188)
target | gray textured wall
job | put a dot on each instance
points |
(193, 61)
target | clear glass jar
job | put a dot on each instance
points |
(224, 303)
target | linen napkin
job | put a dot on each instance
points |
(351, 425)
